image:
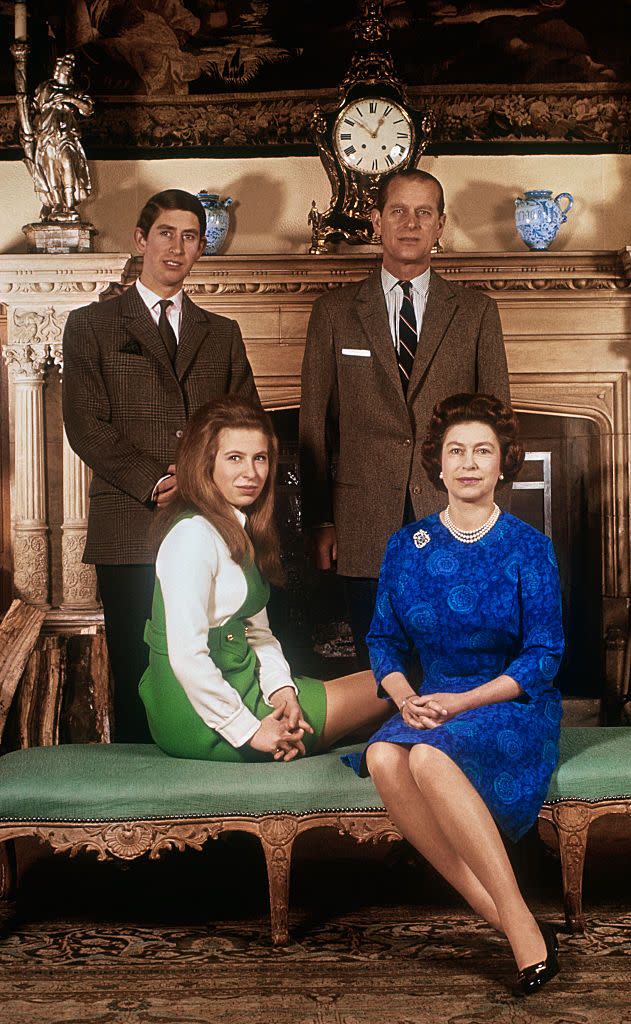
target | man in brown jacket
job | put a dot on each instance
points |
(135, 368)
(379, 355)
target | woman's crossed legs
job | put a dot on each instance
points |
(441, 814)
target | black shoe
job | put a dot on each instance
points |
(534, 977)
(549, 935)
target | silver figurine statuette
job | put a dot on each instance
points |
(49, 133)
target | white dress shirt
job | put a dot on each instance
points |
(174, 311)
(202, 588)
(394, 297)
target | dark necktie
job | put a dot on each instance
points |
(408, 336)
(166, 331)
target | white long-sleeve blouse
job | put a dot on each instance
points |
(202, 588)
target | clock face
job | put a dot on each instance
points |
(372, 136)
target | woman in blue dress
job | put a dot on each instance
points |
(475, 591)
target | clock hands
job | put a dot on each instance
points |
(372, 134)
(360, 124)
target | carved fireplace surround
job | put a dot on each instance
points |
(567, 324)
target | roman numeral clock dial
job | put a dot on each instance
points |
(359, 142)
(372, 136)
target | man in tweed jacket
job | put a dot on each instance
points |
(126, 400)
(361, 436)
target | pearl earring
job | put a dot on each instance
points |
(440, 475)
(501, 476)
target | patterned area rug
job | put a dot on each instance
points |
(376, 966)
(381, 941)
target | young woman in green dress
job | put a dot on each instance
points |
(218, 686)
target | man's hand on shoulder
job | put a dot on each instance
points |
(321, 544)
(165, 489)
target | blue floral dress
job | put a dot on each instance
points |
(474, 612)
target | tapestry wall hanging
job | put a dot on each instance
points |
(238, 77)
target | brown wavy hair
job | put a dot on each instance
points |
(170, 199)
(476, 408)
(410, 174)
(197, 491)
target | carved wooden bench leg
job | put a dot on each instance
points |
(277, 834)
(7, 878)
(572, 821)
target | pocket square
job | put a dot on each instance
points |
(131, 347)
(357, 352)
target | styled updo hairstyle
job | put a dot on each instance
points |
(472, 408)
(198, 492)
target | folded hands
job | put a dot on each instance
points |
(281, 732)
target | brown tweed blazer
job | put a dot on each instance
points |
(360, 439)
(125, 406)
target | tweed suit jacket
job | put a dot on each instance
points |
(125, 406)
(360, 438)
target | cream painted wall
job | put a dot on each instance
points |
(273, 196)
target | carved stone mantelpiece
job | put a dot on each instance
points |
(38, 292)
(566, 319)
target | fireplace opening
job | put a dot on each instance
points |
(558, 492)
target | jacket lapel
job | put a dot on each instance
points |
(193, 329)
(372, 311)
(442, 303)
(141, 326)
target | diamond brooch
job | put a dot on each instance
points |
(421, 538)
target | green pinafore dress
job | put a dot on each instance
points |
(175, 725)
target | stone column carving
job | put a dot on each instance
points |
(26, 362)
(78, 579)
(38, 293)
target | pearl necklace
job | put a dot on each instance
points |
(471, 536)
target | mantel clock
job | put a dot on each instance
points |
(371, 132)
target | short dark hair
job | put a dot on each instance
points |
(170, 199)
(467, 408)
(413, 174)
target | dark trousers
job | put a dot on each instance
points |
(360, 593)
(126, 592)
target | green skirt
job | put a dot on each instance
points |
(178, 729)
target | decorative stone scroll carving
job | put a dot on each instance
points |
(45, 326)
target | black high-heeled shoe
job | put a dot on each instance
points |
(530, 979)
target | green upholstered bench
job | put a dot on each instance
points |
(125, 800)
(128, 800)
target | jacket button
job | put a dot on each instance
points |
(416, 490)
(229, 636)
(178, 433)
(407, 442)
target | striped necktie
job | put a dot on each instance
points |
(408, 335)
(166, 331)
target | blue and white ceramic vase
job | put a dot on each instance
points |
(538, 216)
(217, 220)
